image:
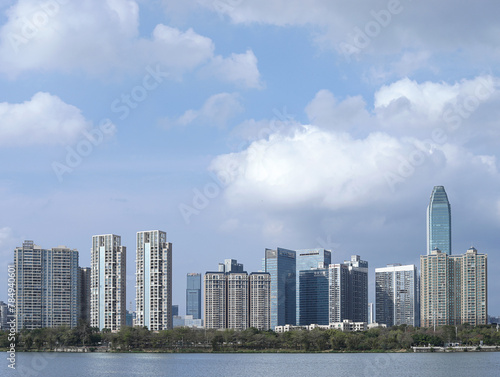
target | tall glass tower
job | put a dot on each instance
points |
(439, 222)
(280, 264)
(193, 295)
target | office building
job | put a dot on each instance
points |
(307, 259)
(396, 295)
(84, 293)
(175, 310)
(439, 222)
(260, 300)
(348, 291)
(453, 288)
(357, 289)
(108, 282)
(230, 265)
(154, 280)
(314, 297)
(280, 264)
(46, 286)
(193, 295)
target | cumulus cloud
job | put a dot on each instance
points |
(409, 107)
(326, 111)
(380, 26)
(239, 68)
(329, 165)
(102, 38)
(44, 119)
(216, 111)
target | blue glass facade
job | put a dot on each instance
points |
(305, 260)
(439, 222)
(280, 264)
(314, 299)
(193, 295)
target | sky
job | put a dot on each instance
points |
(238, 125)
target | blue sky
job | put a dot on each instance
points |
(237, 125)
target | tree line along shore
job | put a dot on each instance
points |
(183, 339)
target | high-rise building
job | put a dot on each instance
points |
(453, 288)
(439, 222)
(260, 300)
(348, 290)
(307, 259)
(4, 316)
(314, 297)
(153, 280)
(108, 282)
(230, 265)
(338, 293)
(237, 300)
(357, 289)
(84, 292)
(46, 286)
(280, 264)
(215, 300)
(396, 295)
(193, 295)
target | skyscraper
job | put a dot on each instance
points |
(453, 288)
(307, 259)
(193, 295)
(108, 282)
(348, 290)
(236, 300)
(314, 299)
(153, 280)
(439, 222)
(260, 303)
(357, 289)
(280, 264)
(396, 294)
(84, 292)
(215, 300)
(46, 286)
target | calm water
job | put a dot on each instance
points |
(289, 365)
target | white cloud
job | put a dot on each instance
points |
(238, 68)
(102, 38)
(44, 119)
(350, 157)
(326, 111)
(380, 26)
(407, 106)
(216, 111)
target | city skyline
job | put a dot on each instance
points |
(249, 124)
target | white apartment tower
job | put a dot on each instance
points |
(215, 300)
(153, 280)
(396, 294)
(108, 282)
(46, 286)
(260, 300)
(237, 300)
